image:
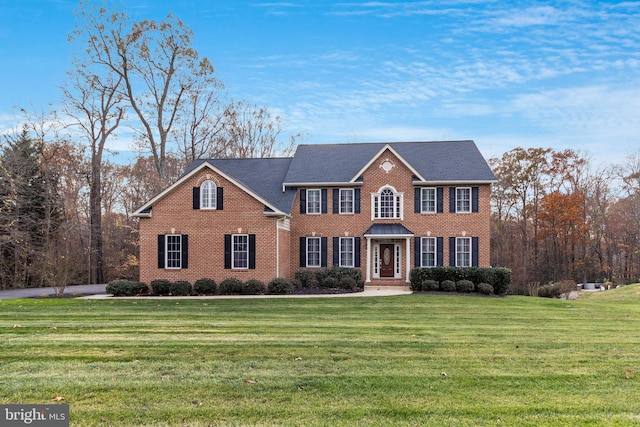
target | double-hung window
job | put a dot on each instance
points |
(346, 200)
(428, 252)
(463, 251)
(346, 252)
(240, 251)
(313, 251)
(173, 252)
(314, 201)
(428, 200)
(463, 199)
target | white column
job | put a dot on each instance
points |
(368, 274)
(407, 256)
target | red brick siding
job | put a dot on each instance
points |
(241, 213)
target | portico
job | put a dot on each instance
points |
(388, 250)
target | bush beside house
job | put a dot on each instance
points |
(461, 279)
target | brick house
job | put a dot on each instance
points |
(381, 207)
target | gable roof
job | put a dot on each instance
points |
(261, 178)
(434, 162)
(273, 180)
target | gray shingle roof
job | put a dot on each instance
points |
(388, 230)
(437, 161)
(450, 161)
(264, 177)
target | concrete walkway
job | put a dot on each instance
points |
(99, 291)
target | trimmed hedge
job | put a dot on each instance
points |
(464, 285)
(485, 288)
(126, 288)
(180, 288)
(254, 287)
(161, 287)
(280, 286)
(349, 279)
(205, 286)
(498, 278)
(231, 286)
(448, 286)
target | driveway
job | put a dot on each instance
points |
(79, 290)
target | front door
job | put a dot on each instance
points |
(387, 265)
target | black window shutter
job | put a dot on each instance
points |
(474, 199)
(336, 200)
(219, 198)
(452, 199)
(252, 251)
(323, 252)
(475, 246)
(417, 243)
(161, 248)
(196, 197)
(303, 251)
(336, 251)
(323, 192)
(185, 251)
(439, 251)
(452, 251)
(417, 202)
(303, 201)
(440, 199)
(227, 251)
(356, 201)
(356, 252)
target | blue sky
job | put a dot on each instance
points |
(559, 74)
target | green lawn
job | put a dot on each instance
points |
(425, 360)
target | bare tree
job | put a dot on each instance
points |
(251, 131)
(158, 66)
(94, 104)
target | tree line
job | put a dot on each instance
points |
(65, 208)
(556, 216)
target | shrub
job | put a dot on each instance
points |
(253, 287)
(128, 288)
(231, 286)
(180, 288)
(306, 279)
(161, 287)
(485, 288)
(430, 285)
(205, 287)
(416, 285)
(556, 290)
(280, 286)
(464, 286)
(448, 286)
(348, 283)
(330, 282)
(499, 278)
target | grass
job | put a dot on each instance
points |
(427, 360)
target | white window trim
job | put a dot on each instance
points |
(470, 254)
(166, 251)
(213, 201)
(470, 199)
(435, 252)
(314, 190)
(340, 193)
(341, 252)
(423, 191)
(398, 204)
(233, 252)
(319, 251)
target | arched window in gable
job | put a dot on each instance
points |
(208, 195)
